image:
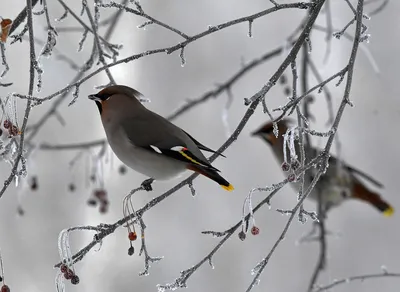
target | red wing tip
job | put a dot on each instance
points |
(228, 188)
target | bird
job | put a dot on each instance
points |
(340, 182)
(147, 142)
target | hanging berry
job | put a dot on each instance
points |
(5, 288)
(242, 235)
(132, 236)
(63, 269)
(285, 166)
(131, 250)
(255, 230)
(7, 124)
(34, 183)
(122, 169)
(75, 280)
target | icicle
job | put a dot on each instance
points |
(182, 56)
(75, 95)
(82, 41)
(145, 24)
(250, 33)
(62, 17)
(51, 42)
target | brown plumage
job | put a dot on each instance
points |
(338, 184)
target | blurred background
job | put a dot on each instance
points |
(367, 133)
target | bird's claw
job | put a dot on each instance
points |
(147, 184)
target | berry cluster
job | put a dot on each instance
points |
(99, 196)
(12, 129)
(254, 231)
(69, 274)
(132, 237)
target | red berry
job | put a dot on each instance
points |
(7, 124)
(13, 130)
(255, 230)
(67, 276)
(75, 280)
(5, 288)
(285, 166)
(291, 177)
(242, 235)
(63, 269)
(103, 208)
(132, 236)
(70, 273)
(100, 194)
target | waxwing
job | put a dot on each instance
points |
(339, 183)
(147, 142)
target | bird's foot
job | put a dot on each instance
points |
(146, 184)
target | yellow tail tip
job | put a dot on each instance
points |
(388, 212)
(228, 188)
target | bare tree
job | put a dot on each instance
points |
(21, 143)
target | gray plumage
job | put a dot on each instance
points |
(147, 142)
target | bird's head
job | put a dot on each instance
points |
(266, 132)
(116, 96)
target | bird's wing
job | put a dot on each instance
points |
(203, 147)
(156, 134)
(365, 176)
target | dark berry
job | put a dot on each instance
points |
(255, 230)
(283, 79)
(285, 166)
(63, 269)
(92, 202)
(7, 124)
(287, 90)
(34, 183)
(5, 288)
(75, 280)
(1, 279)
(242, 235)
(132, 236)
(131, 250)
(291, 177)
(71, 187)
(1, 132)
(122, 169)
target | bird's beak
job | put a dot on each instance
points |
(255, 133)
(94, 97)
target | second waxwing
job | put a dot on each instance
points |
(147, 142)
(338, 184)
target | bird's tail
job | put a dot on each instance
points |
(212, 174)
(362, 193)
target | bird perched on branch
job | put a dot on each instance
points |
(147, 142)
(338, 184)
